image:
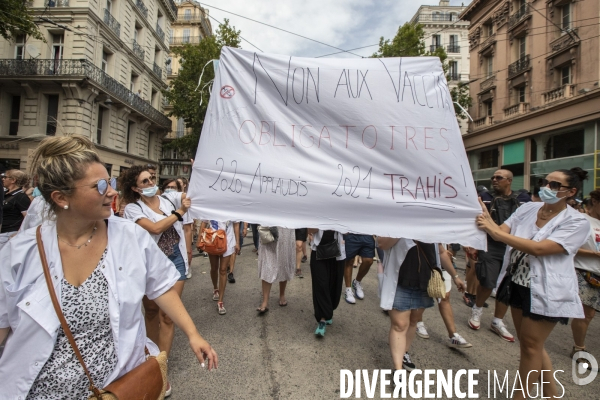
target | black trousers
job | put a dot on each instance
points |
(327, 277)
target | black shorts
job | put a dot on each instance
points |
(488, 266)
(302, 234)
(520, 297)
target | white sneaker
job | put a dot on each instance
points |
(358, 290)
(350, 296)
(500, 329)
(458, 341)
(422, 331)
(493, 293)
(475, 320)
(169, 390)
(189, 274)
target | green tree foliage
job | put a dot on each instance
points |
(15, 19)
(182, 93)
(409, 42)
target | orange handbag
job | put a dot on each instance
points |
(212, 241)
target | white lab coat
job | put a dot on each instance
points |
(37, 213)
(139, 210)
(392, 262)
(134, 266)
(554, 287)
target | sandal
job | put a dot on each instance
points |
(216, 295)
(261, 311)
(284, 304)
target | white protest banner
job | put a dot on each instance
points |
(366, 146)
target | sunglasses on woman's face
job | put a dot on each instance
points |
(147, 181)
(553, 185)
(102, 185)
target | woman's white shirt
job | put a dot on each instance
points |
(554, 288)
(138, 210)
(338, 236)
(134, 266)
(392, 261)
(590, 263)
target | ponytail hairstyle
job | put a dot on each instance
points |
(60, 161)
(575, 177)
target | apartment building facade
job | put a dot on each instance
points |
(443, 28)
(190, 26)
(100, 74)
(535, 87)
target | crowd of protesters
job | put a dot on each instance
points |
(117, 247)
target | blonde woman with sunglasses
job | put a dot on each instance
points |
(100, 267)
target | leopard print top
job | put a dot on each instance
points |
(86, 310)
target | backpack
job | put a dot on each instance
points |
(501, 208)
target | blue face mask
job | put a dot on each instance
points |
(170, 190)
(36, 192)
(548, 195)
(149, 192)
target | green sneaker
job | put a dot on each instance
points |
(329, 321)
(320, 331)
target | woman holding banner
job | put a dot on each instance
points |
(162, 217)
(538, 278)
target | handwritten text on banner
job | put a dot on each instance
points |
(367, 146)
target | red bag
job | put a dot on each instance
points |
(213, 242)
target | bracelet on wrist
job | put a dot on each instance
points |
(179, 217)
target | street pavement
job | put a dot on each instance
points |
(277, 356)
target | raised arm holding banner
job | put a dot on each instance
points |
(366, 146)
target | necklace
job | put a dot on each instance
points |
(84, 243)
(544, 215)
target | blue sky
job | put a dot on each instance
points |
(345, 24)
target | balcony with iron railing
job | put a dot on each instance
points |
(81, 70)
(519, 66)
(160, 32)
(561, 93)
(142, 7)
(516, 110)
(169, 70)
(138, 50)
(56, 3)
(157, 70)
(453, 76)
(434, 47)
(185, 40)
(519, 16)
(112, 23)
(453, 48)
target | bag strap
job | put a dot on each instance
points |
(166, 198)
(420, 250)
(59, 314)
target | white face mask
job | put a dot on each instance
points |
(549, 196)
(149, 192)
(170, 190)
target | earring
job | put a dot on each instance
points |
(66, 207)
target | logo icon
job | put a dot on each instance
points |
(227, 92)
(583, 363)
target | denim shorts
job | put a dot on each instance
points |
(177, 259)
(411, 299)
(361, 245)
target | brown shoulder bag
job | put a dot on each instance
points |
(145, 382)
